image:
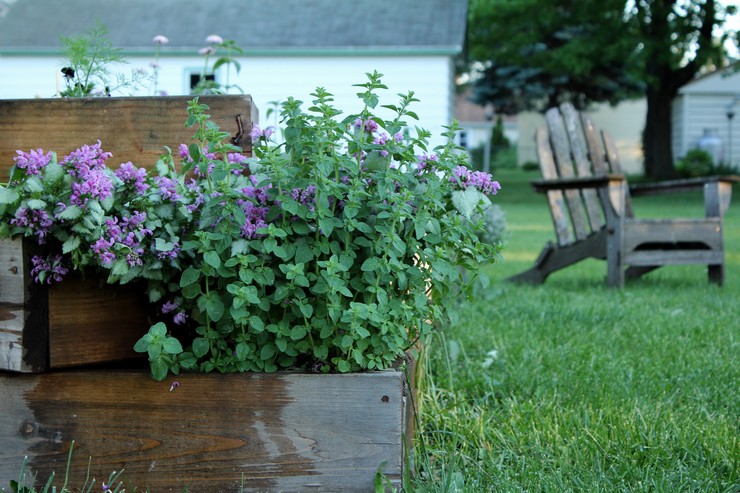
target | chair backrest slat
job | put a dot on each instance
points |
(558, 209)
(564, 163)
(596, 153)
(579, 147)
(612, 158)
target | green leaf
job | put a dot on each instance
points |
(72, 243)
(159, 369)
(212, 259)
(370, 265)
(189, 276)
(343, 366)
(162, 245)
(267, 352)
(465, 201)
(172, 346)
(200, 347)
(142, 344)
(215, 309)
(70, 213)
(36, 204)
(8, 195)
(298, 332)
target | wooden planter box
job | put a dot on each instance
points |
(280, 432)
(78, 322)
(83, 321)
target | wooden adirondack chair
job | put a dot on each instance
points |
(592, 212)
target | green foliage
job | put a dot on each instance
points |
(207, 85)
(113, 484)
(533, 54)
(335, 250)
(698, 162)
(88, 58)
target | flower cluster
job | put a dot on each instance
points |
(465, 178)
(32, 162)
(46, 270)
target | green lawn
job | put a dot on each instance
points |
(571, 386)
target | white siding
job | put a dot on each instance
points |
(269, 79)
(705, 103)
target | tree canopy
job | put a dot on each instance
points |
(533, 54)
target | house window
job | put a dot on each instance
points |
(194, 79)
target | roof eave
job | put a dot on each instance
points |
(266, 51)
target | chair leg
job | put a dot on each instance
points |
(716, 274)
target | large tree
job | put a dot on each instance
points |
(532, 54)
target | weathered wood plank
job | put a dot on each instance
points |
(562, 152)
(132, 128)
(555, 198)
(94, 322)
(579, 148)
(595, 146)
(696, 231)
(285, 432)
(23, 311)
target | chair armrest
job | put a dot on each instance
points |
(679, 186)
(590, 182)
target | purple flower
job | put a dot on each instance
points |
(102, 248)
(257, 133)
(368, 125)
(478, 179)
(36, 220)
(32, 162)
(131, 175)
(215, 39)
(424, 161)
(85, 159)
(167, 188)
(96, 185)
(185, 153)
(180, 318)
(48, 270)
(160, 40)
(208, 50)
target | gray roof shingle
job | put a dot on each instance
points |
(435, 26)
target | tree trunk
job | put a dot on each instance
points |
(657, 141)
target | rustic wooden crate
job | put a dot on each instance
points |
(133, 128)
(287, 432)
(82, 321)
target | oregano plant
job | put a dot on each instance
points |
(335, 249)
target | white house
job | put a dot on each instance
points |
(707, 106)
(291, 46)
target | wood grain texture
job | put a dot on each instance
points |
(565, 166)
(286, 432)
(23, 310)
(131, 128)
(94, 322)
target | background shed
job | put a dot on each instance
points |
(709, 105)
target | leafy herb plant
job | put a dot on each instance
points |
(88, 58)
(335, 250)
